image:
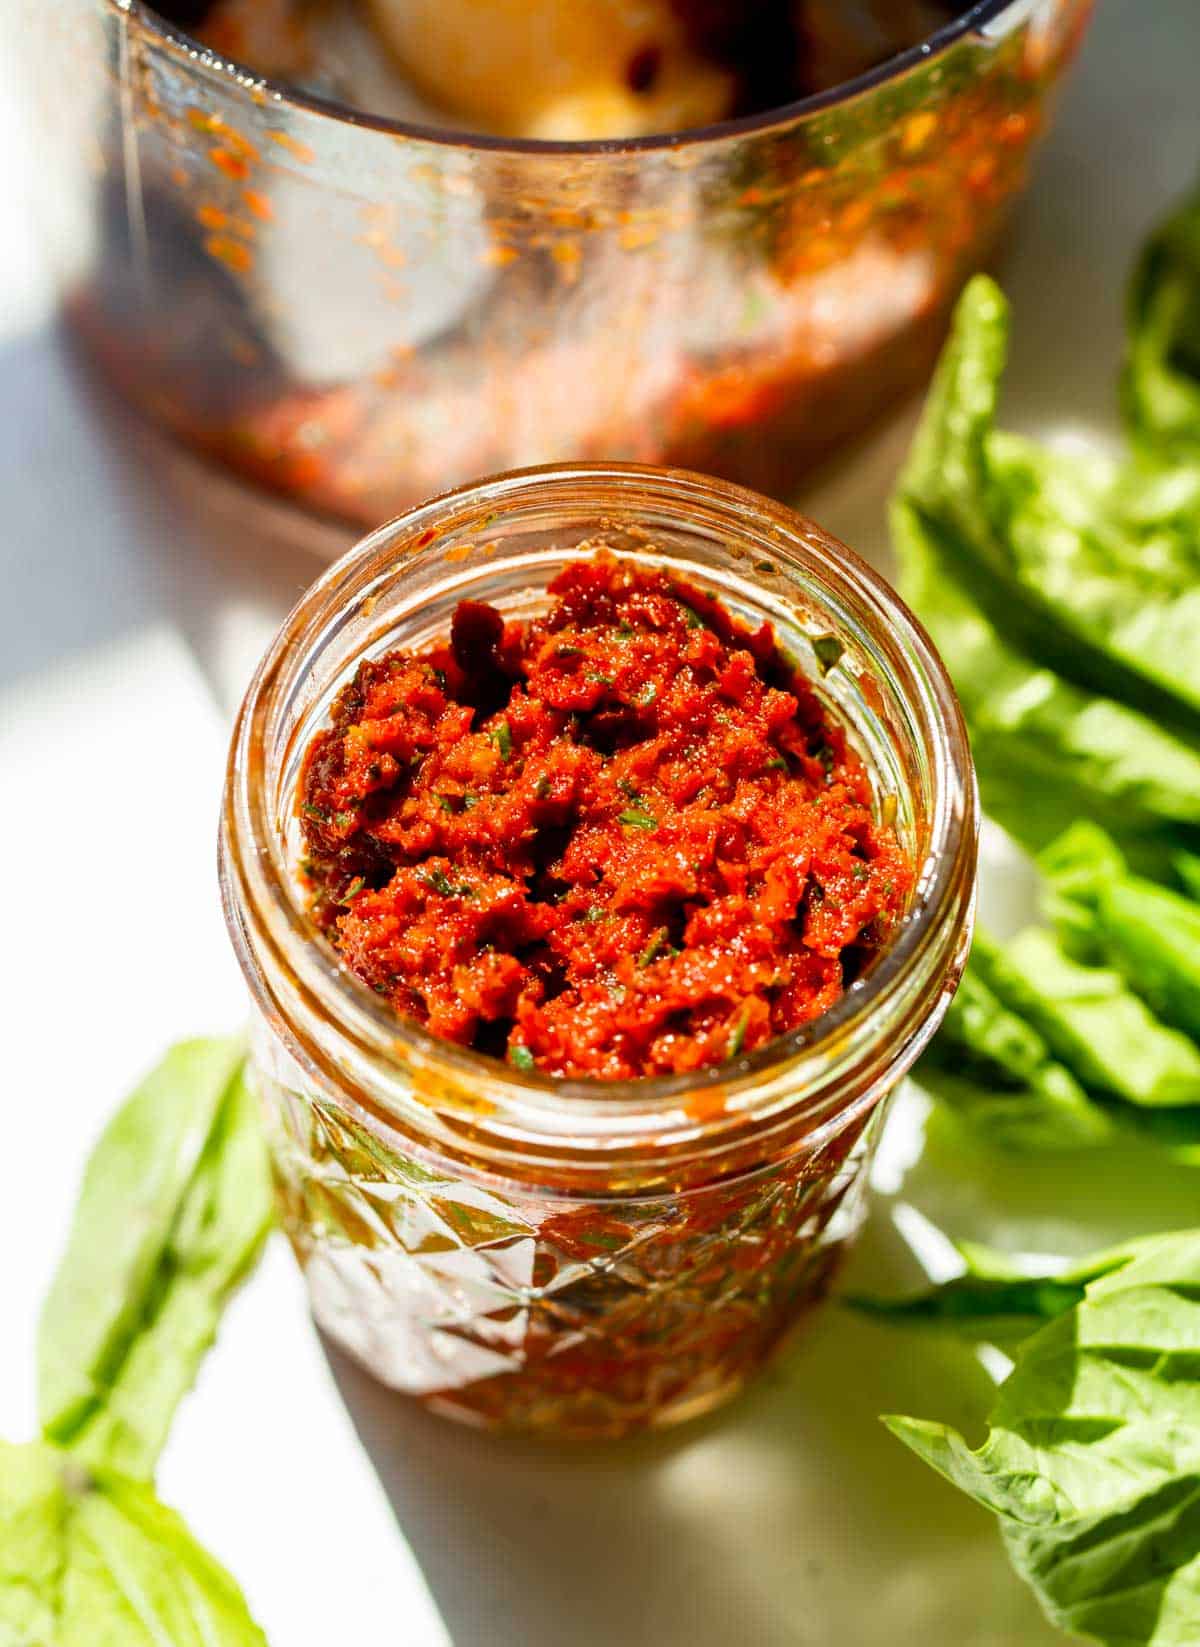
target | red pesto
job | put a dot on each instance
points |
(621, 840)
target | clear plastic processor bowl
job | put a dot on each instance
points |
(355, 312)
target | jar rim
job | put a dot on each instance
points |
(976, 19)
(253, 862)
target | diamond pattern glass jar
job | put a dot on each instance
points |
(583, 1258)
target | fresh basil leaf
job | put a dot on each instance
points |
(1075, 866)
(1040, 1051)
(1092, 1458)
(1149, 933)
(1161, 384)
(984, 1311)
(174, 1207)
(997, 1075)
(33, 1512)
(994, 1301)
(134, 1570)
(1093, 1022)
(1064, 594)
(1081, 549)
(947, 475)
(1043, 541)
(95, 1560)
(221, 1227)
(1047, 752)
(1175, 1131)
(1187, 870)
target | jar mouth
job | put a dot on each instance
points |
(976, 19)
(265, 912)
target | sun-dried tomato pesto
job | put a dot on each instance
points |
(621, 840)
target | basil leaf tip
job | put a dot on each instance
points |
(174, 1207)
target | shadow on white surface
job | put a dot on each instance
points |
(765, 1524)
(792, 1518)
(112, 529)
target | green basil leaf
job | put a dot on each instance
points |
(1149, 933)
(993, 1301)
(1092, 1457)
(987, 1311)
(1076, 865)
(1040, 1054)
(1161, 383)
(1064, 595)
(998, 1077)
(1050, 551)
(1187, 870)
(133, 1570)
(946, 475)
(1093, 1022)
(1047, 752)
(92, 1559)
(1176, 1131)
(1119, 590)
(33, 1512)
(174, 1208)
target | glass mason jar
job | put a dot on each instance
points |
(578, 1257)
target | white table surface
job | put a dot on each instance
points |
(132, 610)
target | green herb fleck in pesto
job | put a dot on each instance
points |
(438, 881)
(739, 1035)
(829, 650)
(653, 947)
